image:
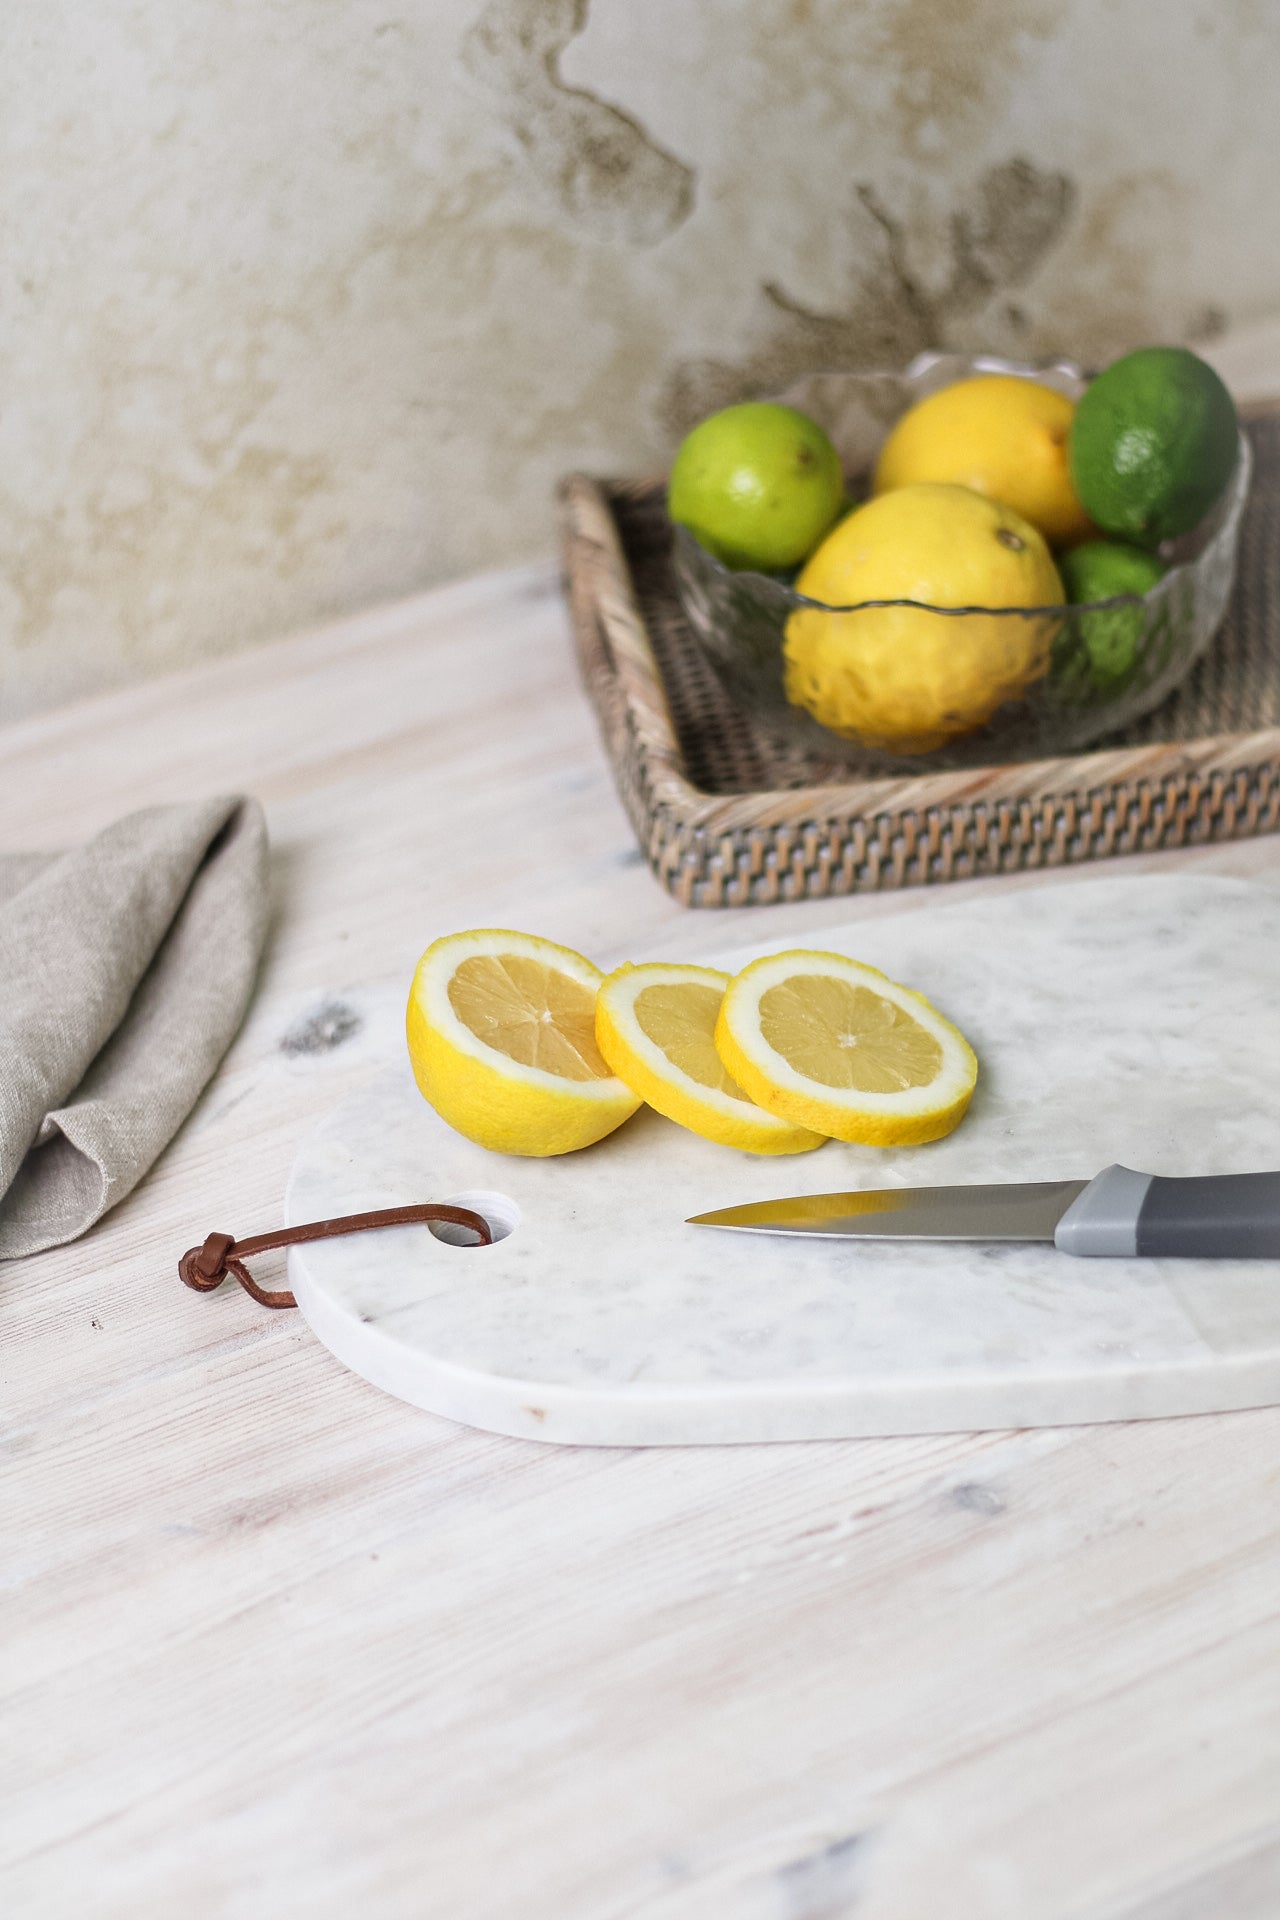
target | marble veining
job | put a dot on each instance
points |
(1122, 1020)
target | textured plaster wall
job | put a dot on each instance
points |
(305, 303)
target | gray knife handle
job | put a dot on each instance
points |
(1220, 1215)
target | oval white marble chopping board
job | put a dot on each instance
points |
(1130, 1020)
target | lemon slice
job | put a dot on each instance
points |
(828, 1043)
(501, 1030)
(655, 1026)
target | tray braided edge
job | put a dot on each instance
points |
(727, 817)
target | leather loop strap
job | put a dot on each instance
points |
(206, 1267)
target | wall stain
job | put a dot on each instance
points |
(997, 240)
(1207, 324)
(1106, 306)
(241, 415)
(595, 162)
(953, 66)
(147, 522)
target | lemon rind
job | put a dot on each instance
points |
(430, 992)
(909, 1118)
(500, 1103)
(637, 1060)
(477, 1101)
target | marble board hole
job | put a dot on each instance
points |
(503, 1216)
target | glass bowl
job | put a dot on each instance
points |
(1110, 661)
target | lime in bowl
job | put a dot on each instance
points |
(1102, 663)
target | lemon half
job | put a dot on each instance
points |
(828, 1043)
(501, 1030)
(655, 1025)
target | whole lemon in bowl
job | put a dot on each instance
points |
(1001, 434)
(910, 676)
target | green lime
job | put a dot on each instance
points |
(1104, 570)
(1152, 444)
(757, 484)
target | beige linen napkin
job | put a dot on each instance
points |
(126, 967)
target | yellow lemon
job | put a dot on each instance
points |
(1002, 436)
(908, 678)
(828, 1043)
(655, 1025)
(501, 1030)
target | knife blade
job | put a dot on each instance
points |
(1117, 1213)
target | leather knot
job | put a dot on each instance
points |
(222, 1256)
(205, 1268)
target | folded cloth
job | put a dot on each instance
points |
(126, 967)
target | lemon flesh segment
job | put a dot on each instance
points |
(531, 1011)
(501, 1033)
(828, 1043)
(655, 1025)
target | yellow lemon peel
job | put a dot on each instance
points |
(655, 1025)
(501, 1032)
(828, 1043)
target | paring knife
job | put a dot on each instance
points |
(1230, 1215)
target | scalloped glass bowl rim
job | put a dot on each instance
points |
(1229, 504)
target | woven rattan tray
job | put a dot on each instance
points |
(727, 815)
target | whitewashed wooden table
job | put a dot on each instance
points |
(273, 1643)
